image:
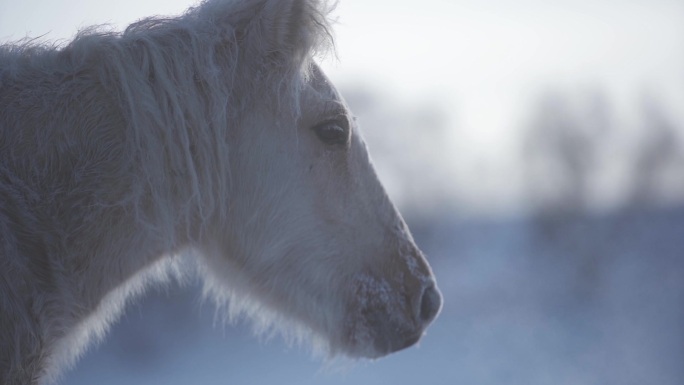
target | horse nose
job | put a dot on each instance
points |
(430, 304)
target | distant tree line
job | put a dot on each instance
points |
(578, 154)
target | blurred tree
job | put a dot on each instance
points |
(658, 163)
(561, 150)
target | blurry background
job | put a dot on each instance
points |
(536, 149)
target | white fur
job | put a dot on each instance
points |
(122, 155)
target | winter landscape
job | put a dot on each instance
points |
(537, 154)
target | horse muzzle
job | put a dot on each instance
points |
(387, 320)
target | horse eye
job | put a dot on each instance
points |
(333, 132)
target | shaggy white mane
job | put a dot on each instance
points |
(169, 76)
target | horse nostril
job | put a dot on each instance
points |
(430, 304)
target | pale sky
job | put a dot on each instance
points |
(483, 60)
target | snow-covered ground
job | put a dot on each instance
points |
(565, 300)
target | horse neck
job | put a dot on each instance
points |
(118, 269)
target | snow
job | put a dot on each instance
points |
(578, 300)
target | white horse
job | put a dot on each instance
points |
(212, 135)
